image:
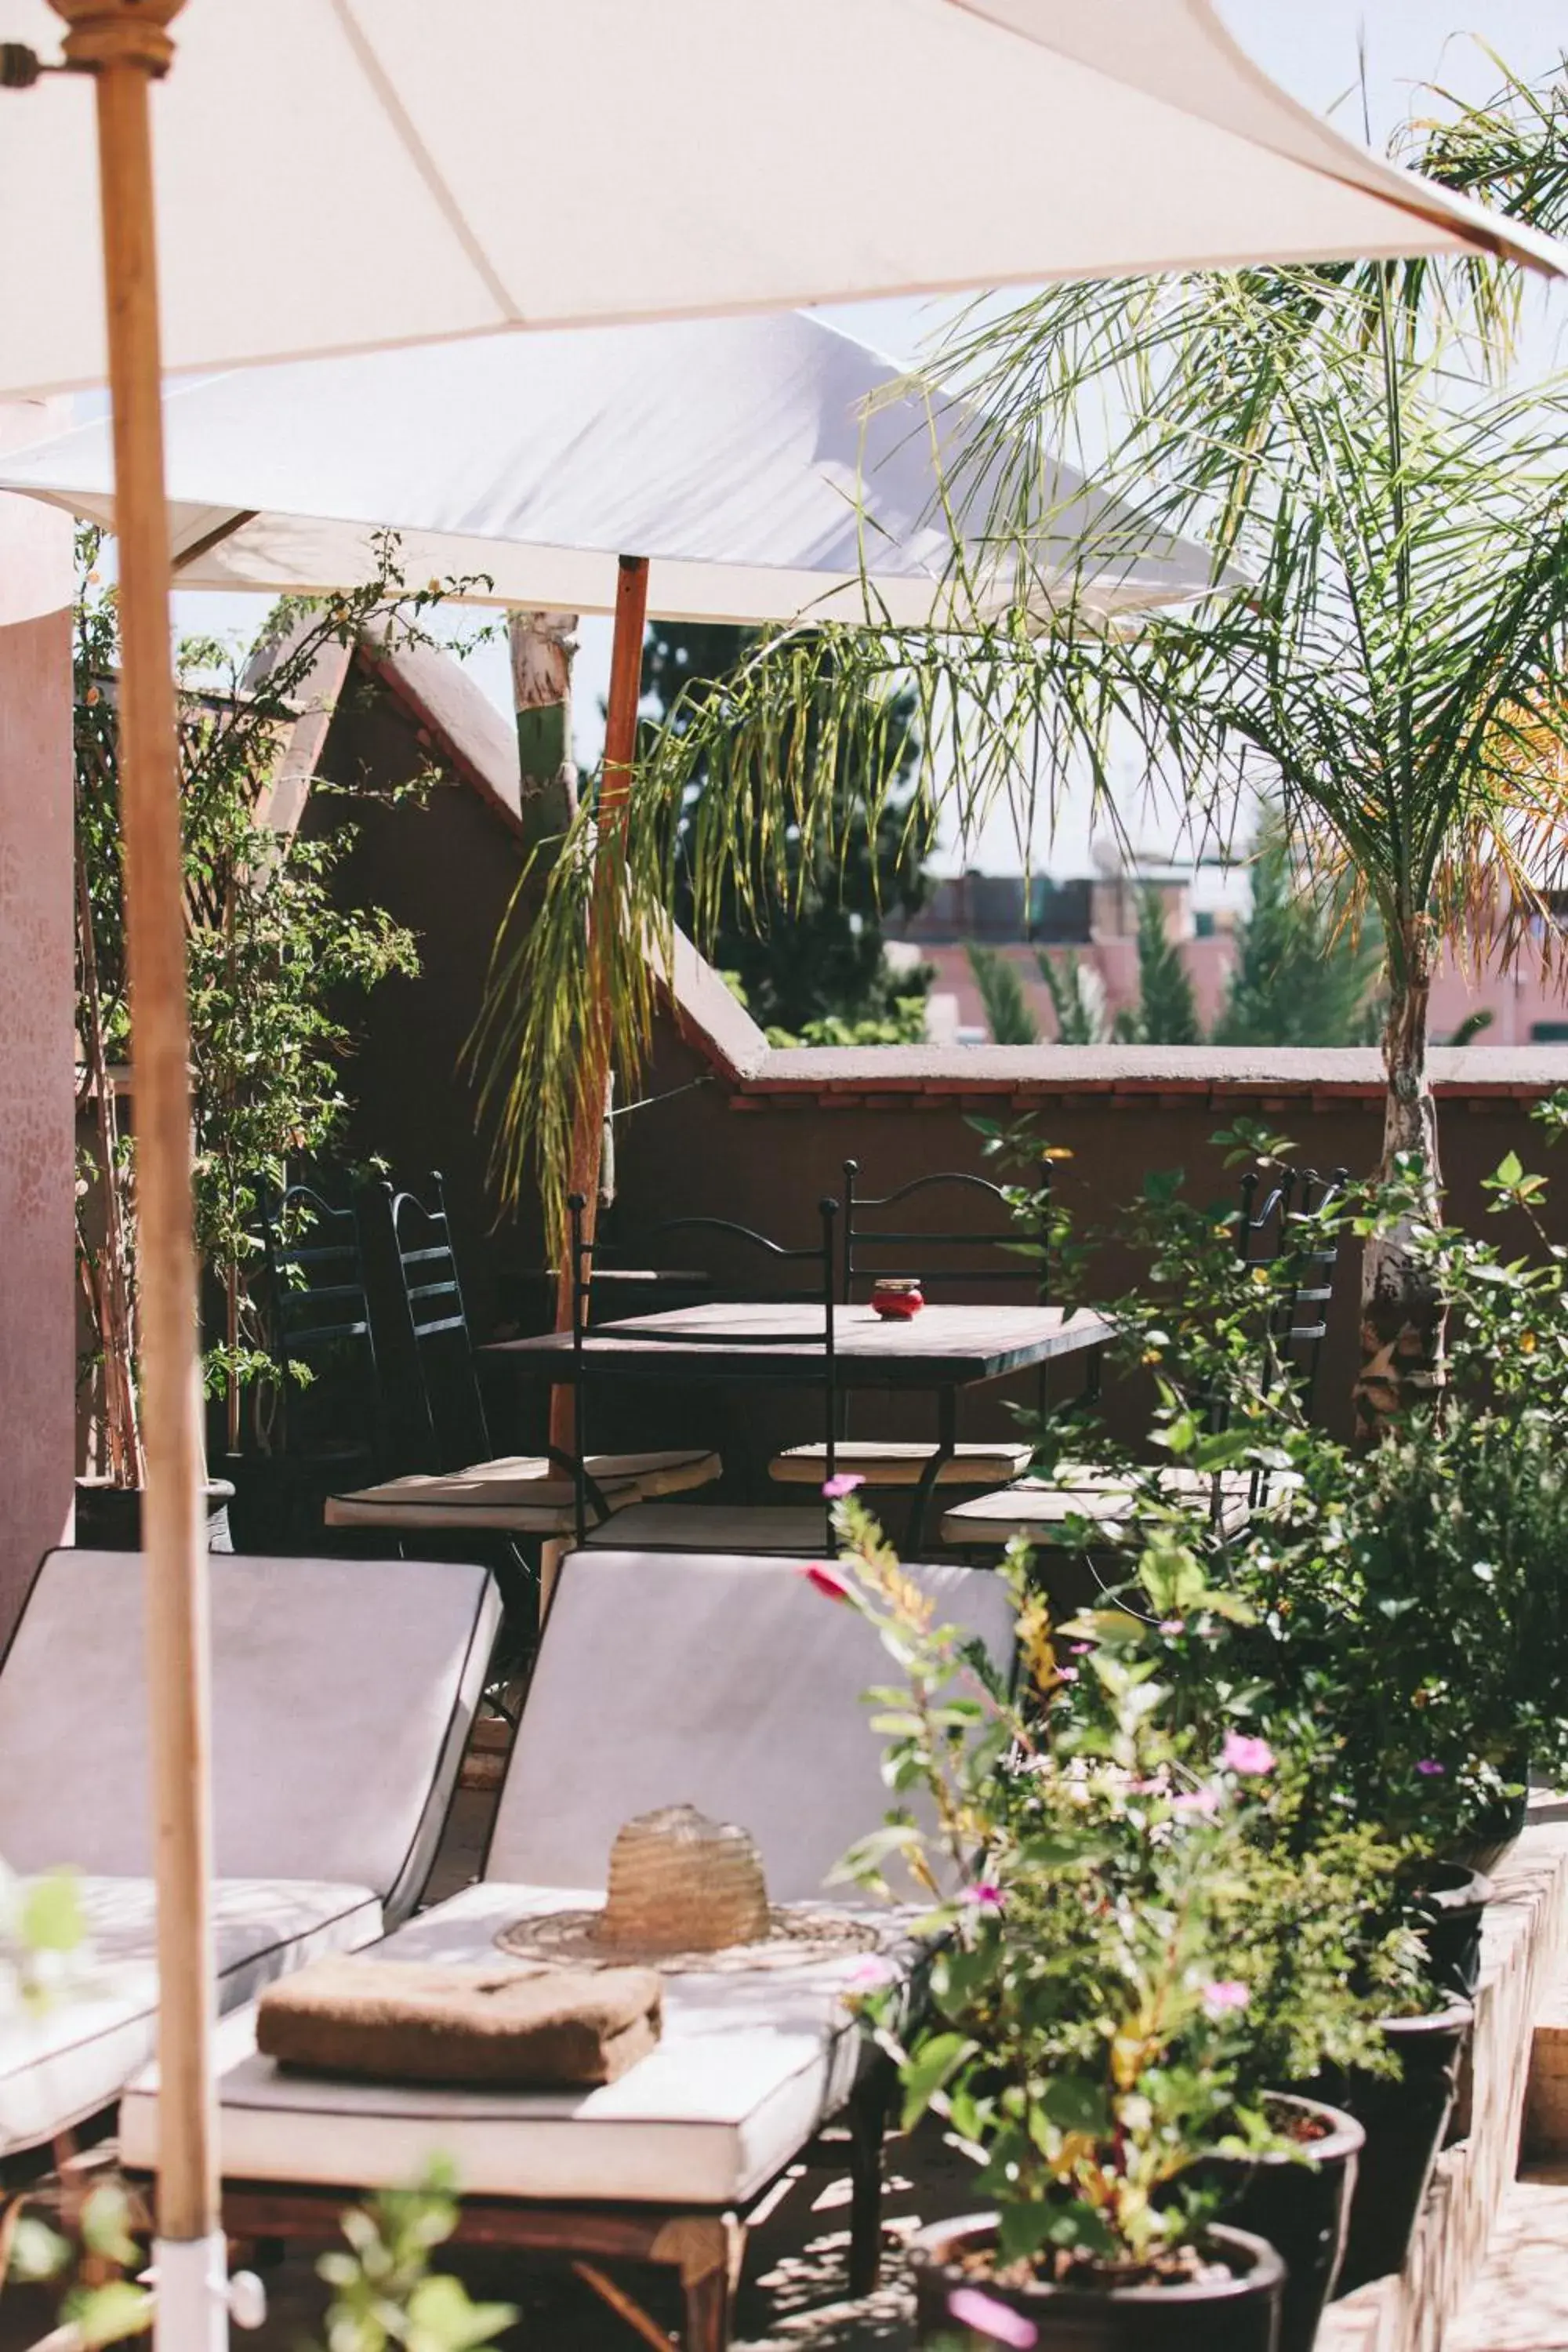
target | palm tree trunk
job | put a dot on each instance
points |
(1404, 1318)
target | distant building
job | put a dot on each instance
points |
(1095, 918)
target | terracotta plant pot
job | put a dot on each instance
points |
(1302, 2210)
(1403, 2119)
(1457, 1898)
(1240, 2314)
(109, 1519)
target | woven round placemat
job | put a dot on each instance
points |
(795, 1939)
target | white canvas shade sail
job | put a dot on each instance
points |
(758, 464)
(339, 175)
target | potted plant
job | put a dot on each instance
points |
(1100, 1879)
(270, 957)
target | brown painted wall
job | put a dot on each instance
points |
(446, 869)
(766, 1158)
(38, 1412)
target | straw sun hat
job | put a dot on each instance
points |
(686, 1894)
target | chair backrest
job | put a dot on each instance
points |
(1282, 1220)
(725, 1683)
(976, 1256)
(342, 1695)
(796, 1275)
(452, 1427)
(318, 1317)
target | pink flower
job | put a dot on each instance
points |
(1080, 1649)
(845, 1484)
(1241, 1753)
(1225, 1994)
(1204, 1801)
(828, 1580)
(985, 1896)
(869, 1971)
(1172, 1625)
(1429, 1767)
(986, 2317)
(1066, 1674)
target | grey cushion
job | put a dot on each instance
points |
(64, 2062)
(726, 1683)
(342, 1693)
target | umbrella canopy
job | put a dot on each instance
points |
(767, 469)
(335, 174)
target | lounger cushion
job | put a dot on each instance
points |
(747, 2067)
(798, 1531)
(726, 1683)
(342, 1695)
(63, 2062)
(902, 1462)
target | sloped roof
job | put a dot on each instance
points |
(472, 738)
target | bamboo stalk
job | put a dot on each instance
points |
(123, 44)
(594, 1077)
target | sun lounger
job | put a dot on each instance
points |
(342, 1695)
(725, 1683)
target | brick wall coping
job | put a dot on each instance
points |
(1202, 1071)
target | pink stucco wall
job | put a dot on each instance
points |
(38, 1335)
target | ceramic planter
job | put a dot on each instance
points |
(1403, 2119)
(1302, 2209)
(109, 1519)
(1457, 1898)
(1240, 2314)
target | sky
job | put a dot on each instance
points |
(1312, 50)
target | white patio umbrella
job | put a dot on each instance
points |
(767, 469)
(332, 176)
(744, 469)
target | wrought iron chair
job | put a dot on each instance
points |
(504, 1505)
(1281, 1222)
(328, 1428)
(969, 1261)
(597, 1356)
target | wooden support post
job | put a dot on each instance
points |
(594, 1078)
(123, 44)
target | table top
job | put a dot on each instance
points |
(941, 1347)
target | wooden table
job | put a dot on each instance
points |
(941, 1350)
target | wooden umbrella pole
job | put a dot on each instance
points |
(123, 44)
(593, 1084)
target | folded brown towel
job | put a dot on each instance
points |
(503, 2021)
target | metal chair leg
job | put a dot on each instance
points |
(867, 2129)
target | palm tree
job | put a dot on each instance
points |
(1395, 672)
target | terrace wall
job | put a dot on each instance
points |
(763, 1143)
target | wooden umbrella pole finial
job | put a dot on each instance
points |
(125, 45)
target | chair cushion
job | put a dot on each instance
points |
(747, 2068)
(798, 1531)
(62, 2063)
(727, 1682)
(1039, 1509)
(342, 1694)
(674, 1472)
(897, 1461)
(517, 1493)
